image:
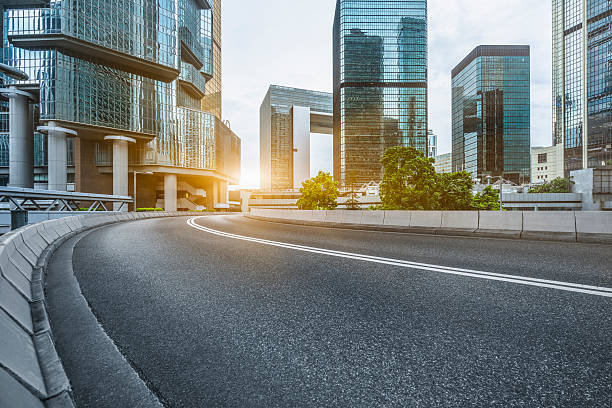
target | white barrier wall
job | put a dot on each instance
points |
(549, 225)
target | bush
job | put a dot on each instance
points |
(149, 209)
(558, 185)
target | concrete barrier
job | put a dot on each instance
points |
(507, 224)
(594, 227)
(556, 226)
(459, 222)
(31, 374)
(426, 221)
(400, 219)
(351, 217)
(373, 218)
(543, 225)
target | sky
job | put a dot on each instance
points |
(289, 42)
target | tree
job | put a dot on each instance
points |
(319, 193)
(352, 203)
(409, 180)
(558, 185)
(487, 200)
(455, 191)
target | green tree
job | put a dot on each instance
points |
(558, 185)
(454, 191)
(319, 193)
(487, 200)
(352, 203)
(409, 180)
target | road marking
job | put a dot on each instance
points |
(544, 283)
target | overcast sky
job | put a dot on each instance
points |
(288, 42)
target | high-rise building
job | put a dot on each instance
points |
(432, 144)
(582, 82)
(127, 81)
(491, 113)
(444, 163)
(380, 83)
(287, 118)
(546, 163)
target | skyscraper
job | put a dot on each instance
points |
(380, 83)
(491, 113)
(127, 80)
(582, 82)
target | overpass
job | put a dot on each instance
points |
(164, 309)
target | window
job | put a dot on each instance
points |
(543, 158)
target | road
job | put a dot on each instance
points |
(232, 312)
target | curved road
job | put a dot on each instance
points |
(232, 312)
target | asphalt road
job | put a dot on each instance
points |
(220, 321)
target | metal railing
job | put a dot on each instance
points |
(47, 200)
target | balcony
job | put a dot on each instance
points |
(192, 80)
(193, 52)
(81, 35)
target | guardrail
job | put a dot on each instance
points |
(584, 226)
(31, 374)
(49, 200)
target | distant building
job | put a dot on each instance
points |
(582, 82)
(444, 163)
(546, 163)
(287, 117)
(432, 144)
(380, 84)
(491, 113)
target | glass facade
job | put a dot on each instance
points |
(491, 113)
(212, 100)
(87, 91)
(277, 133)
(380, 83)
(582, 82)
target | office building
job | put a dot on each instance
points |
(380, 84)
(582, 82)
(432, 144)
(546, 163)
(287, 118)
(444, 163)
(127, 83)
(491, 113)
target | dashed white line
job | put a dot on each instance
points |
(544, 283)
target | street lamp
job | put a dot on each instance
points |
(135, 173)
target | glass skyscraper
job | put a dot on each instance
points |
(491, 113)
(582, 82)
(380, 83)
(140, 69)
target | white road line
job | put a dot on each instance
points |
(544, 283)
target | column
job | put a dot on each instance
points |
(300, 128)
(57, 155)
(120, 168)
(170, 192)
(21, 138)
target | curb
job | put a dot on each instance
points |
(31, 372)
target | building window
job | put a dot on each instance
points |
(543, 158)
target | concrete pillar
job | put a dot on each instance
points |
(21, 138)
(120, 167)
(170, 189)
(57, 155)
(223, 192)
(212, 194)
(300, 127)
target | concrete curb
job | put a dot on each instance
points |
(582, 227)
(31, 373)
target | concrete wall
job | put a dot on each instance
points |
(550, 225)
